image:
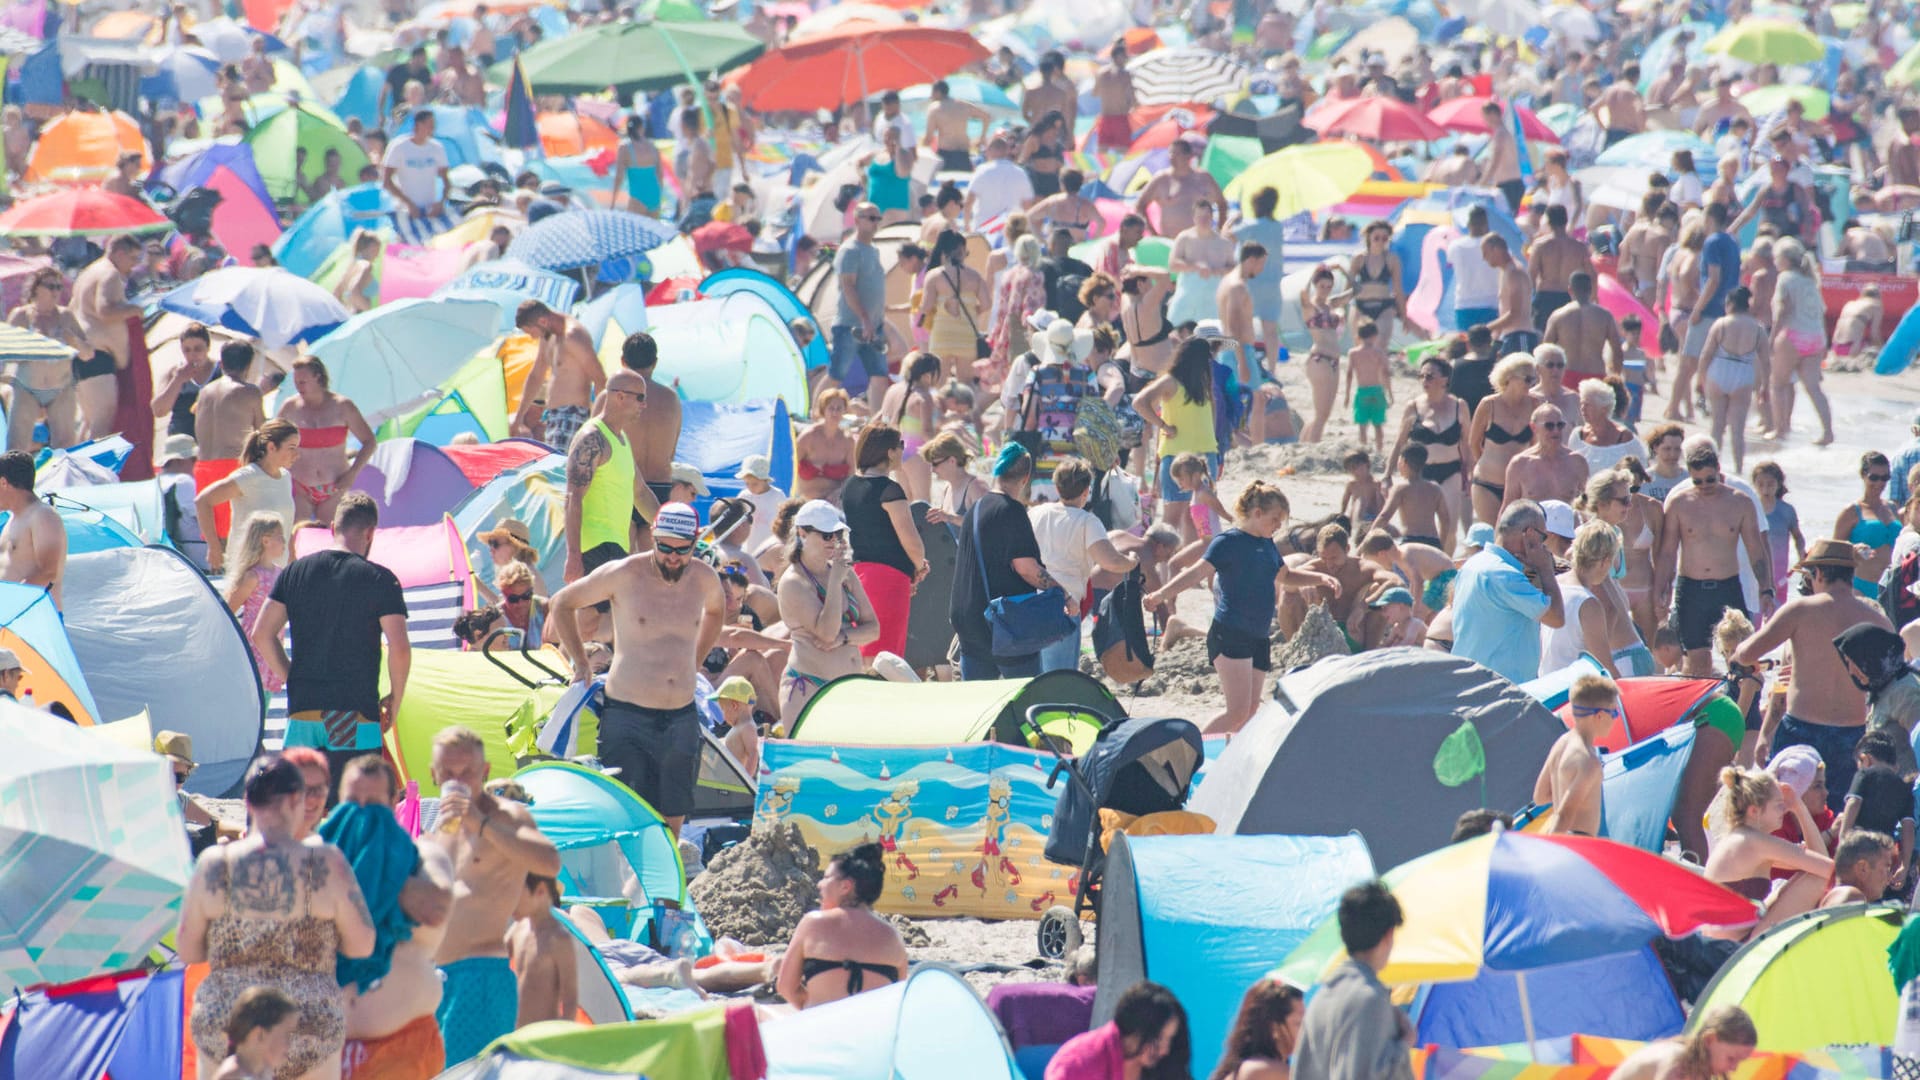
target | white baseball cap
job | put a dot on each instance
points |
(820, 516)
(757, 466)
(1561, 520)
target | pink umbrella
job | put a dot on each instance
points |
(1615, 298)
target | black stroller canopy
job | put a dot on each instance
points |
(1140, 766)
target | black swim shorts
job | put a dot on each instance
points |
(1698, 605)
(1235, 644)
(656, 750)
(598, 556)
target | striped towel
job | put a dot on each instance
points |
(418, 230)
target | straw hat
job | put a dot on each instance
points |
(1828, 551)
(176, 747)
(509, 529)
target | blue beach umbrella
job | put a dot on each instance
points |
(572, 241)
(391, 358)
(1655, 150)
(266, 303)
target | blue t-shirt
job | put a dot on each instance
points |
(1243, 591)
(1723, 251)
(1269, 234)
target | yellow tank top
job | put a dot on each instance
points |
(606, 511)
(1193, 423)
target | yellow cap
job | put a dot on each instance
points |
(736, 688)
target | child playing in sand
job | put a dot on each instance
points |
(736, 700)
(1425, 515)
(1391, 621)
(1569, 782)
(541, 952)
(1667, 653)
(1369, 390)
(1364, 496)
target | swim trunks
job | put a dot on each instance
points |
(1433, 594)
(656, 750)
(598, 556)
(1546, 302)
(1519, 341)
(1114, 131)
(956, 161)
(1698, 605)
(479, 1003)
(1223, 640)
(100, 363)
(415, 1052)
(563, 422)
(1722, 714)
(1370, 406)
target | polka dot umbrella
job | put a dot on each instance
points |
(579, 239)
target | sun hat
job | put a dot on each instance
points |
(684, 473)
(10, 662)
(1561, 520)
(1828, 551)
(756, 466)
(508, 529)
(1480, 535)
(1796, 766)
(736, 688)
(179, 448)
(1395, 595)
(176, 747)
(677, 520)
(821, 516)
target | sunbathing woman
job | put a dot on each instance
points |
(1743, 858)
(844, 948)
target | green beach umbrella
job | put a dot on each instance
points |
(1847, 16)
(1767, 41)
(300, 126)
(1906, 70)
(631, 56)
(1769, 99)
(1228, 156)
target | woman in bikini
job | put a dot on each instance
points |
(1799, 340)
(325, 419)
(1736, 356)
(954, 488)
(823, 451)
(1645, 517)
(824, 606)
(1609, 499)
(953, 307)
(1438, 420)
(844, 948)
(359, 288)
(1744, 857)
(1066, 210)
(1378, 295)
(1320, 311)
(1870, 523)
(1043, 151)
(1682, 275)
(909, 406)
(1502, 427)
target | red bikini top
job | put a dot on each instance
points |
(323, 438)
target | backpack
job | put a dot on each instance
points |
(1897, 599)
(1096, 433)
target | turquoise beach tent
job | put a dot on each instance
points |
(31, 626)
(606, 834)
(930, 1027)
(745, 279)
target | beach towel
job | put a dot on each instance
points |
(1041, 1014)
(415, 1052)
(1093, 1056)
(133, 416)
(480, 1003)
(209, 471)
(383, 858)
(746, 1056)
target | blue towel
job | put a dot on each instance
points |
(383, 858)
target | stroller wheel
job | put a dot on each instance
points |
(1059, 932)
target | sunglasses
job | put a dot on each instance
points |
(516, 598)
(1707, 481)
(180, 777)
(637, 395)
(829, 537)
(1555, 425)
(673, 549)
(868, 217)
(1878, 478)
(1596, 710)
(498, 544)
(1554, 367)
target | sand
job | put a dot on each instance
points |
(756, 892)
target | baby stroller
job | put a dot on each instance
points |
(1136, 766)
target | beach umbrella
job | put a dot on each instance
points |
(568, 134)
(1378, 119)
(1509, 18)
(1463, 114)
(979, 93)
(585, 238)
(267, 303)
(1906, 70)
(630, 56)
(1772, 99)
(1309, 177)
(183, 73)
(232, 42)
(301, 125)
(829, 19)
(1572, 24)
(521, 129)
(93, 851)
(1767, 41)
(23, 346)
(1618, 187)
(722, 236)
(85, 147)
(1189, 74)
(1512, 902)
(390, 359)
(853, 63)
(1655, 150)
(81, 212)
(1847, 16)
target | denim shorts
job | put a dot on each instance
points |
(1170, 491)
(847, 351)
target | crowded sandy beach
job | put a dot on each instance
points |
(957, 538)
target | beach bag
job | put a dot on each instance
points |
(1023, 625)
(1120, 633)
(981, 348)
(1096, 433)
(1901, 606)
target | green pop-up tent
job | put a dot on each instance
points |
(1816, 980)
(860, 710)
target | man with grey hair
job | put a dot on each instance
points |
(1506, 593)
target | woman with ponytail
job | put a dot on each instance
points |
(1745, 855)
(844, 948)
(1722, 1038)
(1264, 1034)
(259, 1035)
(263, 484)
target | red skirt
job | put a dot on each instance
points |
(891, 594)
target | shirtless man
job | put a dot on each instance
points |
(390, 1026)
(1054, 91)
(1705, 524)
(458, 82)
(1902, 154)
(1514, 330)
(1114, 87)
(1425, 570)
(1861, 326)
(667, 609)
(1553, 260)
(1865, 864)
(1723, 108)
(33, 546)
(1360, 581)
(566, 374)
(44, 389)
(1176, 190)
(1502, 168)
(1546, 470)
(1235, 304)
(1619, 110)
(949, 129)
(175, 395)
(1640, 251)
(1825, 710)
(1569, 782)
(653, 432)
(1457, 169)
(100, 304)
(1588, 332)
(228, 408)
(492, 845)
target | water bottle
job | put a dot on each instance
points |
(445, 822)
(26, 698)
(1281, 356)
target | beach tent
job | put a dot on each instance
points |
(245, 215)
(150, 633)
(616, 852)
(1639, 784)
(718, 438)
(128, 1026)
(1171, 912)
(858, 709)
(497, 694)
(535, 493)
(1651, 704)
(431, 563)
(136, 506)
(1393, 743)
(1626, 996)
(930, 1027)
(90, 530)
(691, 1046)
(31, 626)
(413, 482)
(481, 463)
(783, 301)
(610, 317)
(327, 224)
(729, 349)
(602, 1000)
(85, 148)
(1815, 980)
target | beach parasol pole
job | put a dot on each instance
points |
(1526, 1014)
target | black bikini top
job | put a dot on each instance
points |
(856, 972)
(1447, 436)
(1498, 434)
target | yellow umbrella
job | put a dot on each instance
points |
(1768, 41)
(1906, 70)
(1311, 176)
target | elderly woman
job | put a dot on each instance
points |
(844, 948)
(1598, 437)
(824, 606)
(1021, 291)
(1502, 427)
(271, 910)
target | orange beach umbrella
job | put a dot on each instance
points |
(855, 62)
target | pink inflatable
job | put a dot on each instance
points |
(1616, 299)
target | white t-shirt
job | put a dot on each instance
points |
(1687, 190)
(1066, 535)
(998, 187)
(1749, 588)
(416, 169)
(899, 123)
(764, 506)
(1475, 284)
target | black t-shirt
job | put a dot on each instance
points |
(1005, 534)
(398, 76)
(1063, 278)
(335, 601)
(874, 538)
(1884, 799)
(1471, 381)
